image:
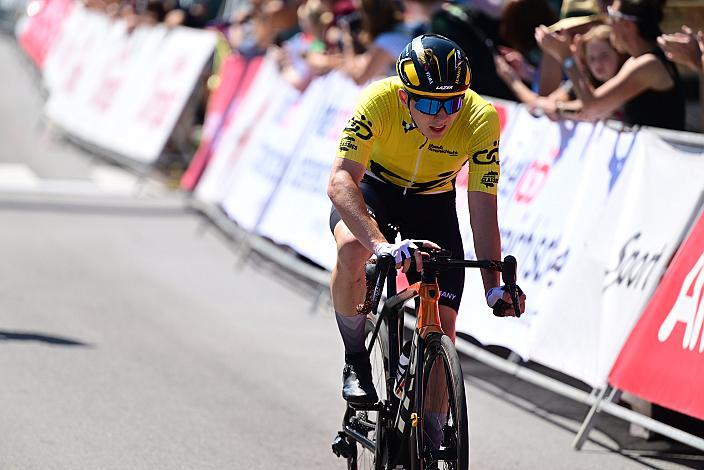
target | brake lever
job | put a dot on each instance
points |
(508, 275)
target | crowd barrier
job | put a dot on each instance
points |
(593, 213)
(119, 91)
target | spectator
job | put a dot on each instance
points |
(598, 58)
(576, 17)
(313, 18)
(477, 34)
(384, 35)
(684, 47)
(648, 85)
(517, 31)
(250, 34)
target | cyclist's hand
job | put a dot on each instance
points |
(402, 252)
(499, 299)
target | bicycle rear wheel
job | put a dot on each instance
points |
(441, 439)
(367, 422)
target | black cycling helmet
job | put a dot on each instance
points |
(432, 65)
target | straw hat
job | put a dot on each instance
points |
(577, 13)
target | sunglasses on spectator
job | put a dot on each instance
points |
(617, 15)
(432, 106)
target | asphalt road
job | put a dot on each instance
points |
(134, 335)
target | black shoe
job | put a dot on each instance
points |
(357, 386)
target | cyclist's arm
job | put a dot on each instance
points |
(344, 192)
(485, 228)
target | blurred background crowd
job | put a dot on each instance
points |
(624, 64)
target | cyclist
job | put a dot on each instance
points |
(396, 167)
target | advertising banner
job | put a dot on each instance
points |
(663, 359)
(39, 31)
(265, 158)
(75, 48)
(300, 210)
(124, 92)
(537, 193)
(261, 101)
(606, 282)
(234, 76)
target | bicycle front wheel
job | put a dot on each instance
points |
(441, 438)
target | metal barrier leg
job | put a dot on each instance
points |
(319, 300)
(588, 423)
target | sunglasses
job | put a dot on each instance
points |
(617, 15)
(432, 106)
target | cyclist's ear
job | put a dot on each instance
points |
(403, 96)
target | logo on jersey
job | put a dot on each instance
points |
(490, 179)
(408, 127)
(441, 149)
(361, 127)
(487, 156)
(347, 143)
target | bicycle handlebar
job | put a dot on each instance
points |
(439, 260)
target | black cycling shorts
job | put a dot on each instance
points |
(425, 217)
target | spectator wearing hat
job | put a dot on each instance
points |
(648, 86)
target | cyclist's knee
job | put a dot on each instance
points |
(351, 255)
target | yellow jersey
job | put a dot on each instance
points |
(382, 136)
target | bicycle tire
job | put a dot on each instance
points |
(448, 447)
(363, 458)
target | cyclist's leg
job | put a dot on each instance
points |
(347, 289)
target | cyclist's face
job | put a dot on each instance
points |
(433, 127)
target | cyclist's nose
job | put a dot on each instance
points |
(441, 115)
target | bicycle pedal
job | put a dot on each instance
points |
(341, 447)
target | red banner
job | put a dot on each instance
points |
(42, 27)
(236, 75)
(663, 359)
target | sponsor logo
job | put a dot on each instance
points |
(444, 87)
(408, 127)
(490, 179)
(532, 182)
(430, 78)
(347, 144)
(541, 255)
(441, 149)
(688, 309)
(361, 127)
(487, 156)
(447, 295)
(634, 268)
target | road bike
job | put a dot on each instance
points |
(420, 420)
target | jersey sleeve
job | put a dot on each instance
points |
(484, 153)
(365, 126)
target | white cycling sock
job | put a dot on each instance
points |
(352, 332)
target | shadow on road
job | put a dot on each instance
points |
(55, 340)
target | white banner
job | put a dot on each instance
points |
(606, 284)
(266, 156)
(299, 212)
(238, 128)
(123, 92)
